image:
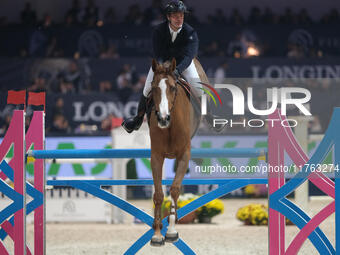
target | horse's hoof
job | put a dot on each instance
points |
(171, 238)
(157, 241)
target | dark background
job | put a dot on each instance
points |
(96, 54)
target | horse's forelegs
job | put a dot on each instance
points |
(182, 165)
(157, 239)
(172, 234)
(156, 165)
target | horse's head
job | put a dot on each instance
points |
(164, 91)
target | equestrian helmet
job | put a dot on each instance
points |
(175, 6)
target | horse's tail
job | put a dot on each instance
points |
(203, 76)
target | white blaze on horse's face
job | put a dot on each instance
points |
(164, 104)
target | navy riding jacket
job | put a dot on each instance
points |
(183, 49)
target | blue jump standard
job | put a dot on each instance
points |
(145, 153)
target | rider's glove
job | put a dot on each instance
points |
(177, 74)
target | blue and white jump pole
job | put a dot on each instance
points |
(145, 153)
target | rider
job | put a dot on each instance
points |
(171, 39)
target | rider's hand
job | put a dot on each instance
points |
(177, 74)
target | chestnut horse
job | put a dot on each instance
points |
(172, 123)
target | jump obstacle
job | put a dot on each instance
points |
(280, 140)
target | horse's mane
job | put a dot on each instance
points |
(166, 64)
(165, 67)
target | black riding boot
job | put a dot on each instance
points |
(134, 123)
(209, 117)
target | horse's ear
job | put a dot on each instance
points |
(173, 65)
(154, 65)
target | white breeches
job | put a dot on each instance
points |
(190, 74)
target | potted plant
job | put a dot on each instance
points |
(209, 210)
(203, 214)
(253, 214)
(182, 201)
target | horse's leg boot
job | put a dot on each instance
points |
(171, 237)
(157, 241)
(134, 123)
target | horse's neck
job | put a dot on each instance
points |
(182, 111)
(186, 118)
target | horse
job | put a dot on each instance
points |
(172, 123)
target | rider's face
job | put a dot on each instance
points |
(176, 20)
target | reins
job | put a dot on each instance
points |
(174, 100)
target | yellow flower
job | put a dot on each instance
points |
(249, 189)
(254, 214)
(210, 209)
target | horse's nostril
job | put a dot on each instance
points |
(164, 122)
(158, 116)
